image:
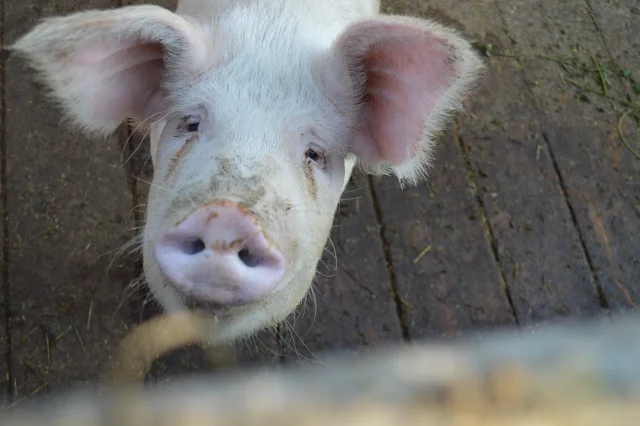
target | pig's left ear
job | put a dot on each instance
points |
(105, 66)
(402, 76)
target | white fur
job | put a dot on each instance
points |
(265, 80)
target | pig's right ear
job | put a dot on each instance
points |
(107, 66)
(396, 79)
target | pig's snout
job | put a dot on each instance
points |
(220, 254)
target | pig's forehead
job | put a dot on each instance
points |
(266, 73)
(276, 26)
(256, 95)
(261, 57)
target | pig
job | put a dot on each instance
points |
(258, 112)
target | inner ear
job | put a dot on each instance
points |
(109, 65)
(401, 76)
(132, 78)
(404, 76)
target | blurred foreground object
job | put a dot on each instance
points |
(571, 374)
(151, 340)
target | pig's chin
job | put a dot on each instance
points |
(239, 320)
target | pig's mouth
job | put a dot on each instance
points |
(196, 304)
(243, 318)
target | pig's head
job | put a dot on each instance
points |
(255, 123)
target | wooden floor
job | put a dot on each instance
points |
(530, 214)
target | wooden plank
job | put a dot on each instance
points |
(447, 279)
(598, 173)
(618, 23)
(535, 239)
(69, 207)
(572, 375)
(400, 7)
(352, 305)
(533, 235)
(5, 368)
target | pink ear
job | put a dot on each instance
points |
(406, 74)
(107, 66)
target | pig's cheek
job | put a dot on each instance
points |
(166, 150)
(152, 205)
(335, 179)
(154, 135)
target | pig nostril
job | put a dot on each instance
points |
(248, 258)
(193, 246)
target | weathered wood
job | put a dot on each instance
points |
(568, 375)
(400, 7)
(4, 285)
(447, 280)
(351, 304)
(618, 24)
(68, 205)
(618, 21)
(534, 238)
(597, 172)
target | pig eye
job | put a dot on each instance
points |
(314, 155)
(189, 123)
